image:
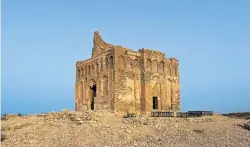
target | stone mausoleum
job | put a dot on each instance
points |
(121, 80)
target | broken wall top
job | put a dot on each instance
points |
(99, 45)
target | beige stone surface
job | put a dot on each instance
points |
(122, 80)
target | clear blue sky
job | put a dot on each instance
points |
(42, 40)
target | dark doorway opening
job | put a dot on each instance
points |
(155, 103)
(93, 97)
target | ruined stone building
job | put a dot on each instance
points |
(122, 80)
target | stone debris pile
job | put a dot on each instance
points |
(246, 126)
(78, 117)
(9, 116)
(154, 120)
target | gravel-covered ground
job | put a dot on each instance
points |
(76, 129)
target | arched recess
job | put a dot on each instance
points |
(149, 64)
(121, 62)
(89, 70)
(129, 62)
(80, 75)
(92, 68)
(155, 66)
(111, 62)
(82, 72)
(85, 71)
(92, 91)
(136, 63)
(96, 67)
(106, 63)
(161, 67)
(105, 85)
(101, 64)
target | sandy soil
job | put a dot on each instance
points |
(75, 129)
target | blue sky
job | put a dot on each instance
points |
(42, 40)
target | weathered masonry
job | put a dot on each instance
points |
(122, 80)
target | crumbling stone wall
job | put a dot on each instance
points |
(122, 80)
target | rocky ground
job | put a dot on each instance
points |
(100, 128)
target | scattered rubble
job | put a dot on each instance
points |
(102, 128)
(246, 125)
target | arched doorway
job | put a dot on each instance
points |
(155, 102)
(93, 91)
(156, 94)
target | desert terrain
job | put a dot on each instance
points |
(100, 128)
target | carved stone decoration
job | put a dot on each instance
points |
(154, 80)
(91, 83)
(121, 80)
(156, 90)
